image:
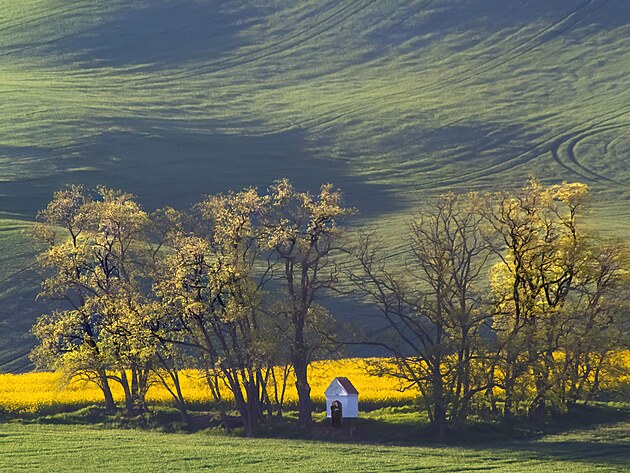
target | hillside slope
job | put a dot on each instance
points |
(390, 100)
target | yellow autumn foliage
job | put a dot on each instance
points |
(47, 392)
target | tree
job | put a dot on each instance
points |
(596, 318)
(211, 300)
(555, 287)
(432, 308)
(302, 236)
(68, 338)
(93, 265)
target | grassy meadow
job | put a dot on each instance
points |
(391, 101)
(46, 447)
(47, 426)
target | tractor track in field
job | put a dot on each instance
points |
(53, 12)
(546, 34)
(571, 141)
(614, 139)
(572, 138)
(230, 62)
(287, 43)
(70, 8)
(498, 61)
(283, 45)
(554, 144)
(321, 123)
(531, 153)
(504, 58)
(582, 12)
(408, 15)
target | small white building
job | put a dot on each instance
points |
(342, 390)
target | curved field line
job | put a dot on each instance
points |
(57, 12)
(408, 15)
(247, 57)
(572, 138)
(609, 144)
(269, 50)
(550, 29)
(533, 38)
(355, 110)
(306, 124)
(573, 143)
(523, 157)
(35, 46)
(239, 61)
(201, 69)
(18, 23)
(526, 156)
(555, 146)
(462, 77)
(465, 76)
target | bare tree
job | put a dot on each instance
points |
(432, 309)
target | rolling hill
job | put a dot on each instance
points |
(393, 101)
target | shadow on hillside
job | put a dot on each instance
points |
(453, 155)
(170, 34)
(166, 164)
(428, 21)
(161, 34)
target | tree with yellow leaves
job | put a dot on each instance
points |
(302, 235)
(211, 296)
(93, 267)
(552, 285)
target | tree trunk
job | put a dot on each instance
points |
(305, 407)
(439, 415)
(299, 359)
(110, 405)
(508, 407)
(246, 403)
(181, 401)
(252, 409)
(128, 396)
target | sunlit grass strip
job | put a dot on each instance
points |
(47, 392)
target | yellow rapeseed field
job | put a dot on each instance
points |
(47, 392)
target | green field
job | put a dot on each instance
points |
(392, 101)
(68, 448)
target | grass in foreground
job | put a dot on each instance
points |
(41, 448)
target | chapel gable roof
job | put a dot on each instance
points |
(346, 385)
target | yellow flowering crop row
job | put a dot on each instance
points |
(45, 392)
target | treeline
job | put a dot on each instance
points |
(500, 303)
(505, 304)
